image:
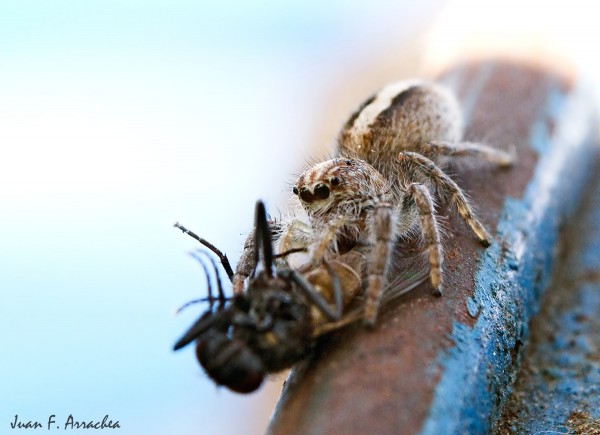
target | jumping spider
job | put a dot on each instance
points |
(383, 182)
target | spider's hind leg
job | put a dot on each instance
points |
(431, 234)
(446, 186)
(470, 149)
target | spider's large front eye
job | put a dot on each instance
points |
(306, 196)
(321, 191)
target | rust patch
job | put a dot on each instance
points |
(579, 422)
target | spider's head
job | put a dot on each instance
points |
(338, 182)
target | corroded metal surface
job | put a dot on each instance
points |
(445, 365)
(558, 387)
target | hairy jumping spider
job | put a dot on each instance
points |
(383, 184)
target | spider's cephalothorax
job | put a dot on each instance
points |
(338, 196)
(336, 183)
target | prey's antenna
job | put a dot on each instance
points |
(222, 257)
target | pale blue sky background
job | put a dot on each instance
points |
(117, 119)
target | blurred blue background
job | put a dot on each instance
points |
(116, 120)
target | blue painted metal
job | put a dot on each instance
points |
(479, 369)
(559, 388)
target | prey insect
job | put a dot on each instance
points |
(273, 323)
(384, 183)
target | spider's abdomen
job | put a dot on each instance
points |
(402, 116)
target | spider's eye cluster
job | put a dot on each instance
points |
(321, 191)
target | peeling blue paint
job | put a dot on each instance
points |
(473, 307)
(564, 390)
(478, 371)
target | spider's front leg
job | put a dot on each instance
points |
(383, 231)
(446, 186)
(246, 264)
